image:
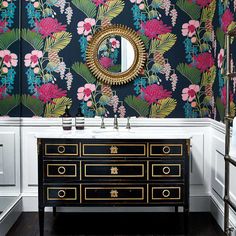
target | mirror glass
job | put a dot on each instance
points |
(116, 54)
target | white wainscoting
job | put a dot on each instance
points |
(206, 167)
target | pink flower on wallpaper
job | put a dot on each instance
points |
(9, 59)
(85, 27)
(154, 92)
(49, 91)
(99, 2)
(115, 43)
(85, 93)
(3, 90)
(204, 61)
(203, 3)
(227, 19)
(3, 26)
(106, 62)
(223, 96)
(189, 29)
(152, 28)
(221, 57)
(140, 3)
(189, 94)
(32, 59)
(48, 26)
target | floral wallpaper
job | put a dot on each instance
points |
(182, 77)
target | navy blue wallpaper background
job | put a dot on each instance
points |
(182, 78)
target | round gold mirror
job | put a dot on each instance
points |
(115, 54)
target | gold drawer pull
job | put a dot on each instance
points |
(166, 193)
(114, 193)
(166, 170)
(61, 193)
(61, 170)
(61, 149)
(114, 171)
(114, 149)
(166, 149)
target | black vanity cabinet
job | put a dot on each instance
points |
(113, 172)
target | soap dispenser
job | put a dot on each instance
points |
(79, 120)
(67, 120)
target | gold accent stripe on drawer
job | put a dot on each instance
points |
(62, 175)
(117, 175)
(166, 165)
(62, 153)
(113, 145)
(58, 188)
(114, 188)
(166, 188)
(166, 153)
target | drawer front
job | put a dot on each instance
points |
(62, 193)
(166, 170)
(113, 170)
(61, 169)
(165, 150)
(63, 147)
(113, 149)
(111, 194)
(167, 193)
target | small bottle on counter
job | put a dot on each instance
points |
(79, 119)
(67, 120)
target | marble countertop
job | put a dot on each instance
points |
(121, 133)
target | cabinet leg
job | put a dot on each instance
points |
(186, 221)
(41, 221)
(54, 211)
(176, 209)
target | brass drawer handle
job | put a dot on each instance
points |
(166, 170)
(114, 149)
(61, 193)
(114, 193)
(114, 171)
(61, 149)
(166, 149)
(166, 193)
(61, 170)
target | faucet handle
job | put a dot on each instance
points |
(128, 123)
(102, 123)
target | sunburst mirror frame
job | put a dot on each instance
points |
(99, 71)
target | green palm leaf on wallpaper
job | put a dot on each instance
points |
(58, 41)
(164, 43)
(190, 8)
(86, 6)
(33, 104)
(208, 12)
(191, 73)
(8, 103)
(57, 107)
(140, 106)
(33, 38)
(163, 108)
(221, 109)
(220, 36)
(8, 38)
(208, 77)
(112, 9)
(82, 70)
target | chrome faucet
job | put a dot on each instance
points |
(128, 123)
(102, 123)
(116, 126)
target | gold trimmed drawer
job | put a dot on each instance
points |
(112, 194)
(113, 170)
(166, 170)
(166, 149)
(62, 194)
(167, 193)
(114, 149)
(60, 148)
(61, 169)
